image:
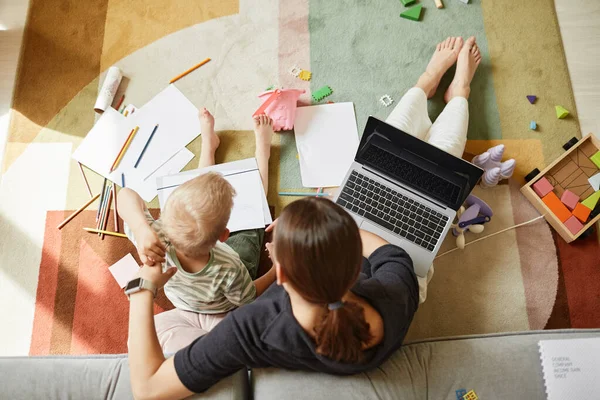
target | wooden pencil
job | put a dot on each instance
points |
(101, 199)
(122, 180)
(109, 233)
(120, 102)
(178, 77)
(87, 184)
(299, 194)
(103, 207)
(116, 213)
(124, 148)
(80, 209)
(146, 146)
(126, 113)
(106, 214)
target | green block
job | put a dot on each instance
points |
(321, 93)
(591, 201)
(412, 13)
(596, 159)
(561, 112)
(407, 2)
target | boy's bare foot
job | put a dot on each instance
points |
(444, 56)
(263, 130)
(210, 140)
(468, 61)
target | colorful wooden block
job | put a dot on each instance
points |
(595, 181)
(471, 395)
(561, 211)
(412, 13)
(582, 212)
(532, 98)
(591, 201)
(583, 161)
(533, 125)
(407, 2)
(460, 393)
(561, 112)
(596, 159)
(573, 225)
(569, 199)
(542, 187)
(439, 4)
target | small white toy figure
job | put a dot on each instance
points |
(495, 169)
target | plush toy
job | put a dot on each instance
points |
(495, 169)
(471, 217)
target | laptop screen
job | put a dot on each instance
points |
(416, 164)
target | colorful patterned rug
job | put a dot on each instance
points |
(57, 294)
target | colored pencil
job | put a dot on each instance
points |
(101, 199)
(87, 184)
(126, 113)
(146, 146)
(106, 213)
(109, 233)
(120, 102)
(178, 77)
(122, 109)
(303, 194)
(124, 148)
(116, 213)
(80, 209)
(122, 180)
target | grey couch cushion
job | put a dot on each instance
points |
(497, 366)
(88, 377)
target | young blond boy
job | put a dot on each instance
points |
(214, 269)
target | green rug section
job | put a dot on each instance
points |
(363, 50)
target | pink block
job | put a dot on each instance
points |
(542, 187)
(574, 225)
(569, 199)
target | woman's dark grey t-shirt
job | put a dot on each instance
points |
(266, 334)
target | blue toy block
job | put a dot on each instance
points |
(532, 99)
(460, 394)
(532, 125)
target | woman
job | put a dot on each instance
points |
(331, 311)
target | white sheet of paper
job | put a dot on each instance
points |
(147, 188)
(570, 368)
(178, 124)
(248, 212)
(124, 270)
(327, 140)
(595, 181)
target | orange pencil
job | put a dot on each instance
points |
(178, 77)
(120, 102)
(124, 148)
(80, 209)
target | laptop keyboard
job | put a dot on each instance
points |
(392, 210)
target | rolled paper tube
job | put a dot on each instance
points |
(108, 90)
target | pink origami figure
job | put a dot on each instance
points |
(282, 110)
(495, 169)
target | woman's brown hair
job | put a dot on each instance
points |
(319, 249)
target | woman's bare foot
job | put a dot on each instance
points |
(444, 56)
(468, 61)
(263, 131)
(210, 140)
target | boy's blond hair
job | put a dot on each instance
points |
(197, 213)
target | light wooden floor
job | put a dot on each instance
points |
(579, 23)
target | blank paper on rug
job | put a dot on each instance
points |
(327, 140)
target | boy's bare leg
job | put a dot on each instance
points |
(263, 131)
(210, 140)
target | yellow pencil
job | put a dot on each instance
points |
(178, 77)
(109, 233)
(83, 207)
(124, 149)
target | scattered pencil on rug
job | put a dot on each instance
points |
(178, 77)
(80, 209)
(109, 233)
(87, 184)
(299, 194)
(116, 213)
(102, 192)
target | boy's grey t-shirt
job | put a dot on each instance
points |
(221, 286)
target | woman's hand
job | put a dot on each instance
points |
(155, 275)
(149, 246)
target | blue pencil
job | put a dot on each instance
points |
(122, 180)
(303, 194)
(145, 146)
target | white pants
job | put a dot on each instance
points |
(448, 133)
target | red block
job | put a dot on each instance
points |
(574, 225)
(569, 199)
(556, 206)
(542, 187)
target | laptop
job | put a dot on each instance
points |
(406, 190)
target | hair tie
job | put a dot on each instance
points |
(336, 305)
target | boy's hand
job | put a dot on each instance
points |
(149, 246)
(155, 275)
